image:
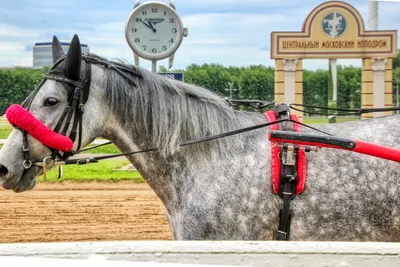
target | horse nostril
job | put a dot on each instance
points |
(3, 172)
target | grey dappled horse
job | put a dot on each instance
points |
(220, 189)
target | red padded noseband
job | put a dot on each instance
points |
(22, 118)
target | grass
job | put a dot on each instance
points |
(5, 131)
(108, 149)
(101, 171)
(325, 120)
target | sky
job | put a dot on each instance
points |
(227, 32)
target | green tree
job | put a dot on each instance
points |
(315, 88)
(396, 60)
(16, 85)
(213, 77)
(349, 87)
(257, 82)
(396, 84)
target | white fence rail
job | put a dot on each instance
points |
(234, 253)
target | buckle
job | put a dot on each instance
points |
(289, 155)
(81, 108)
(281, 235)
(83, 161)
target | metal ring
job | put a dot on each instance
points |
(27, 164)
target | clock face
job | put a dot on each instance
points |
(154, 30)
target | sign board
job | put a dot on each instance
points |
(173, 75)
(334, 30)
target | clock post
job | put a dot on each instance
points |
(154, 31)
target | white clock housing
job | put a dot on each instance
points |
(154, 30)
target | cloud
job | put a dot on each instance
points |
(14, 54)
(8, 32)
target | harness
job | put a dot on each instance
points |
(288, 143)
(288, 163)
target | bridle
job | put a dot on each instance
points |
(78, 94)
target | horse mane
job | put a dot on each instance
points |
(167, 112)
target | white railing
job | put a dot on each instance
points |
(232, 253)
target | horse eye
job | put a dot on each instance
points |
(50, 102)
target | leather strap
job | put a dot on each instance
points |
(288, 174)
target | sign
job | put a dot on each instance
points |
(334, 30)
(173, 75)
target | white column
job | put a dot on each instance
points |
(333, 65)
(289, 67)
(372, 15)
(378, 70)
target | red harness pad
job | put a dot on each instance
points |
(22, 118)
(276, 162)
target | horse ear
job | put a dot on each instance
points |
(58, 51)
(73, 60)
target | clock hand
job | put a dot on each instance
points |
(151, 25)
(147, 25)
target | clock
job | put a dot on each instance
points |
(154, 30)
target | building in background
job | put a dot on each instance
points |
(43, 56)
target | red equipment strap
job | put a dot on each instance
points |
(276, 162)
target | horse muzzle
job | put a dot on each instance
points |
(19, 182)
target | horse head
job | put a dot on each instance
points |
(56, 105)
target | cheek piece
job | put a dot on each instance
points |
(20, 117)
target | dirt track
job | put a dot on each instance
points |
(82, 212)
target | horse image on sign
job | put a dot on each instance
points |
(219, 189)
(334, 24)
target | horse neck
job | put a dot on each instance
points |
(162, 113)
(164, 116)
(134, 136)
(167, 174)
